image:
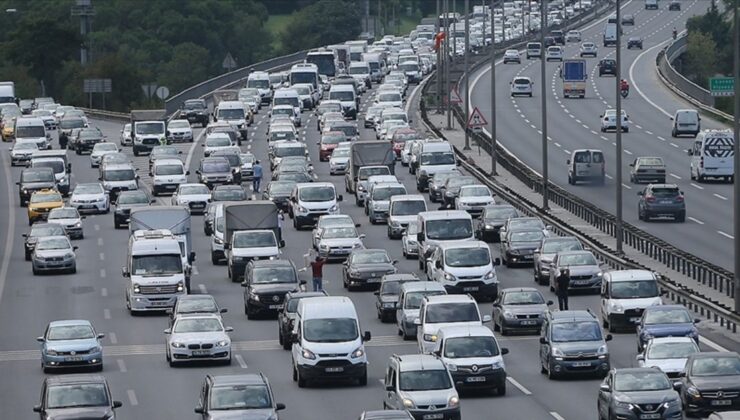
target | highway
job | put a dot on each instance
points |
(134, 358)
(574, 123)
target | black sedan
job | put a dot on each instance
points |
(634, 42)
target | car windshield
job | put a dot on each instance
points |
(69, 123)
(553, 247)
(640, 381)
(196, 305)
(359, 70)
(218, 141)
(239, 397)
(56, 165)
(330, 107)
(25, 146)
(30, 131)
(668, 316)
(156, 265)
(258, 83)
(342, 95)
(384, 194)
(467, 257)
(339, 232)
(88, 189)
(523, 298)
(230, 194)
(254, 239)
(716, 366)
(90, 134)
(634, 289)
(46, 198)
(371, 257)
(462, 347)
(650, 161)
(118, 174)
(70, 332)
(194, 190)
(132, 198)
(475, 192)
(452, 312)
(294, 176)
(164, 151)
(526, 236)
(348, 130)
(168, 170)
(330, 330)
(271, 275)
(501, 213)
(576, 331)
(53, 243)
(51, 229)
(196, 325)
(424, 380)
(449, 229)
(280, 188)
(364, 173)
(413, 299)
(37, 176)
(332, 138)
(389, 97)
(316, 194)
(64, 213)
(437, 158)
(105, 147)
(179, 124)
(290, 151)
(408, 207)
(576, 259)
(149, 128)
(76, 395)
(215, 166)
(392, 287)
(675, 350)
(340, 153)
(665, 192)
(231, 114)
(194, 105)
(283, 111)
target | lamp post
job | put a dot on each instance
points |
(543, 94)
(467, 74)
(618, 81)
(736, 131)
(493, 94)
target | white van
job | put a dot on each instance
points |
(236, 114)
(610, 34)
(326, 341)
(345, 94)
(464, 267)
(311, 200)
(445, 311)
(403, 209)
(625, 294)
(712, 155)
(289, 97)
(260, 80)
(377, 66)
(437, 227)
(167, 175)
(433, 157)
(30, 129)
(360, 71)
(686, 121)
(586, 165)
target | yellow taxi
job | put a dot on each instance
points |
(8, 129)
(41, 203)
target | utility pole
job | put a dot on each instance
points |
(493, 94)
(736, 129)
(448, 61)
(543, 93)
(618, 80)
(466, 96)
(85, 11)
(439, 61)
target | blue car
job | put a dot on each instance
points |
(665, 321)
(70, 344)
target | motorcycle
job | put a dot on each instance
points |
(625, 92)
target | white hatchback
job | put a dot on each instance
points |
(521, 86)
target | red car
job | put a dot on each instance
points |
(328, 143)
(400, 137)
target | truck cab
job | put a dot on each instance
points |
(248, 245)
(148, 129)
(437, 227)
(57, 161)
(236, 114)
(155, 271)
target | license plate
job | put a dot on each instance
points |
(276, 306)
(581, 364)
(529, 322)
(721, 402)
(433, 416)
(580, 282)
(334, 369)
(635, 320)
(475, 379)
(159, 303)
(87, 206)
(650, 416)
(170, 187)
(373, 280)
(527, 257)
(470, 289)
(201, 352)
(73, 359)
(198, 206)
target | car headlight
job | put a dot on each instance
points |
(672, 403)
(78, 224)
(395, 224)
(223, 343)
(51, 352)
(646, 335)
(357, 245)
(333, 208)
(377, 206)
(69, 256)
(692, 391)
(254, 296)
(423, 172)
(600, 274)
(94, 349)
(360, 187)
(137, 289)
(449, 277)
(218, 240)
(324, 247)
(557, 352)
(408, 403)
(359, 352)
(180, 287)
(508, 315)
(602, 350)
(453, 402)
(354, 272)
(177, 345)
(490, 275)
(430, 337)
(302, 209)
(308, 354)
(616, 307)
(389, 305)
(452, 367)
(623, 404)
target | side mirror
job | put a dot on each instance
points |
(640, 357)
(42, 339)
(279, 406)
(438, 264)
(387, 388)
(608, 337)
(486, 318)
(640, 193)
(187, 172)
(605, 388)
(245, 283)
(282, 243)
(376, 293)
(567, 162)
(497, 261)
(169, 311)
(549, 302)
(394, 262)
(542, 340)
(191, 257)
(366, 336)
(688, 151)
(632, 165)
(125, 272)
(37, 408)
(69, 167)
(504, 351)
(100, 336)
(419, 237)
(417, 321)
(199, 409)
(168, 331)
(302, 282)
(226, 245)
(362, 236)
(697, 320)
(677, 385)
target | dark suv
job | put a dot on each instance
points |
(266, 282)
(572, 343)
(634, 42)
(639, 393)
(711, 383)
(195, 111)
(246, 396)
(286, 316)
(658, 200)
(32, 180)
(607, 66)
(86, 139)
(559, 37)
(76, 396)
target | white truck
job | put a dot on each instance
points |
(155, 271)
(252, 231)
(148, 129)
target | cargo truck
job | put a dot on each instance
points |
(252, 231)
(368, 153)
(574, 75)
(148, 129)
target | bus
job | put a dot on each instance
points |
(325, 61)
(304, 73)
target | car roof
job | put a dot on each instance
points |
(412, 362)
(449, 299)
(581, 252)
(671, 340)
(420, 286)
(713, 354)
(272, 263)
(463, 244)
(665, 308)
(519, 289)
(66, 322)
(572, 315)
(74, 379)
(465, 331)
(173, 161)
(328, 306)
(631, 275)
(444, 214)
(404, 277)
(243, 379)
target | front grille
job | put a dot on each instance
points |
(55, 259)
(194, 346)
(157, 290)
(529, 316)
(633, 313)
(272, 299)
(716, 394)
(650, 408)
(197, 204)
(332, 355)
(207, 346)
(334, 363)
(581, 356)
(150, 141)
(73, 353)
(584, 277)
(479, 368)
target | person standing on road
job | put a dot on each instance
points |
(317, 268)
(256, 176)
(562, 282)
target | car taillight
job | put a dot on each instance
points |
(679, 199)
(650, 199)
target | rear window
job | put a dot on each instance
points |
(665, 192)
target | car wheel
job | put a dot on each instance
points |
(550, 374)
(287, 344)
(362, 380)
(681, 217)
(610, 325)
(501, 390)
(28, 256)
(301, 381)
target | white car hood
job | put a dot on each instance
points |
(638, 303)
(666, 365)
(87, 197)
(264, 251)
(434, 328)
(192, 197)
(337, 242)
(480, 270)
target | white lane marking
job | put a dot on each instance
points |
(103, 273)
(202, 288)
(626, 186)
(104, 292)
(726, 235)
(556, 415)
(721, 197)
(594, 132)
(519, 386)
(121, 365)
(195, 270)
(578, 121)
(695, 220)
(567, 152)
(697, 186)
(11, 229)
(627, 151)
(557, 144)
(634, 81)
(113, 338)
(608, 176)
(100, 241)
(646, 131)
(240, 360)
(584, 126)
(661, 138)
(712, 344)
(132, 397)
(191, 151)
(674, 145)
(106, 313)
(675, 176)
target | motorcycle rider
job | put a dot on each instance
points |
(624, 85)
(675, 33)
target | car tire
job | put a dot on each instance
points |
(214, 258)
(551, 375)
(681, 217)
(362, 380)
(301, 381)
(286, 344)
(610, 325)
(27, 256)
(504, 331)
(501, 390)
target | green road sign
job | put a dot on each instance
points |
(722, 86)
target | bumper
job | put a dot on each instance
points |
(468, 380)
(149, 303)
(474, 288)
(624, 414)
(20, 160)
(378, 216)
(51, 266)
(164, 188)
(708, 405)
(187, 355)
(69, 361)
(89, 207)
(444, 414)
(74, 232)
(337, 169)
(522, 324)
(592, 284)
(365, 279)
(580, 367)
(521, 258)
(333, 369)
(309, 219)
(265, 306)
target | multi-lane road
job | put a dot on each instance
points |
(134, 346)
(574, 124)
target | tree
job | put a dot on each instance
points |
(701, 56)
(322, 23)
(189, 62)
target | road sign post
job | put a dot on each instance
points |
(722, 86)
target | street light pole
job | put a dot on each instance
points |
(618, 81)
(448, 61)
(466, 60)
(736, 129)
(543, 94)
(439, 63)
(493, 94)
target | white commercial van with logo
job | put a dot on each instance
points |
(712, 155)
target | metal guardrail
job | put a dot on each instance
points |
(682, 86)
(106, 115)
